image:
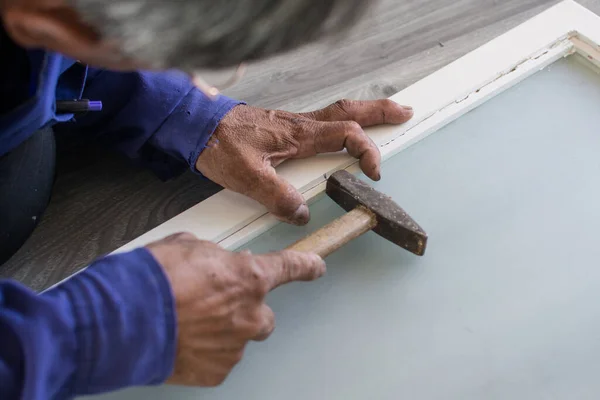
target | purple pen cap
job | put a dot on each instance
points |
(95, 105)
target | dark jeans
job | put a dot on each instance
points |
(26, 180)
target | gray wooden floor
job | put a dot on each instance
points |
(101, 203)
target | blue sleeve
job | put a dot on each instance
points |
(109, 327)
(158, 119)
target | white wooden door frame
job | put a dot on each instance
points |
(567, 28)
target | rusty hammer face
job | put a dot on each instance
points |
(368, 210)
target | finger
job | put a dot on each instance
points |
(202, 368)
(280, 198)
(220, 361)
(223, 342)
(366, 113)
(335, 136)
(175, 247)
(181, 237)
(290, 266)
(267, 318)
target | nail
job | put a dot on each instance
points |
(407, 107)
(301, 216)
(376, 175)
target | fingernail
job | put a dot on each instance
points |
(301, 216)
(376, 175)
(408, 111)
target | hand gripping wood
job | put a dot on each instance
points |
(368, 210)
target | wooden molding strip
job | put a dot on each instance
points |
(586, 48)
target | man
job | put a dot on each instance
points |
(179, 310)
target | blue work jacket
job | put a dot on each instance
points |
(114, 324)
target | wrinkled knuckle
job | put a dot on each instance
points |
(313, 273)
(245, 259)
(344, 104)
(268, 330)
(252, 327)
(178, 237)
(261, 286)
(185, 236)
(258, 329)
(263, 327)
(246, 331)
(270, 321)
(290, 258)
(315, 267)
(256, 277)
(354, 127)
(388, 103)
(245, 265)
(245, 253)
(320, 270)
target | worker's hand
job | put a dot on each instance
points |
(220, 301)
(250, 142)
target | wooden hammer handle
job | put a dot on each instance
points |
(336, 234)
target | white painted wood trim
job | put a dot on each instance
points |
(231, 219)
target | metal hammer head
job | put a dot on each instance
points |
(393, 223)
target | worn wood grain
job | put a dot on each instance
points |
(101, 203)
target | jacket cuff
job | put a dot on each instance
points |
(124, 322)
(188, 128)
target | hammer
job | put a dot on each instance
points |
(368, 210)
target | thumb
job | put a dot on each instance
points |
(280, 197)
(290, 266)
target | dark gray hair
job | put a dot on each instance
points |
(190, 34)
